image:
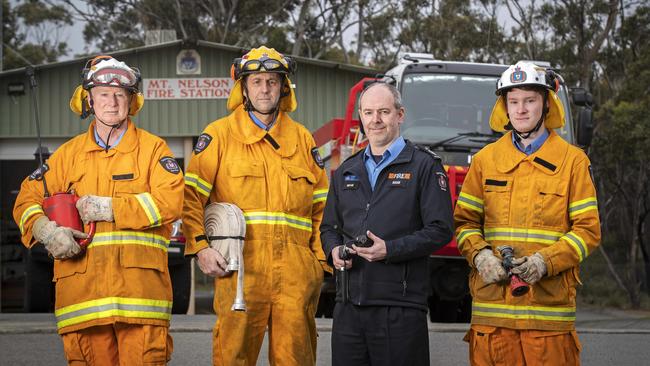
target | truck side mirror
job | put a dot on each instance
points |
(581, 97)
(585, 126)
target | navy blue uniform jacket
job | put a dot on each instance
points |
(410, 209)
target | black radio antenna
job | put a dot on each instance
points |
(32, 86)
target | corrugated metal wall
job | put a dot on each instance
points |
(321, 89)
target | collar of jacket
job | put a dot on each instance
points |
(552, 154)
(358, 167)
(244, 130)
(127, 144)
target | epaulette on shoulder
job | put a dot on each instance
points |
(429, 152)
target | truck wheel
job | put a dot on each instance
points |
(39, 288)
(181, 283)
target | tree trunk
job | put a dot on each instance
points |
(301, 25)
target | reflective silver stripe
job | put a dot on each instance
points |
(113, 306)
(577, 243)
(320, 195)
(464, 234)
(581, 206)
(470, 202)
(29, 212)
(527, 235)
(129, 238)
(201, 186)
(278, 218)
(524, 312)
(150, 208)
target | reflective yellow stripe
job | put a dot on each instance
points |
(320, 195)
(129, 238)
(577, 243)
(278, 218)
(582, 206)
(466, 233)
(201, 186)
(113, 306)
(470, 202)
(525, 235)
(29, 212)
(150, 208)
(565, 314)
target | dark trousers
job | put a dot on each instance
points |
(379, 335)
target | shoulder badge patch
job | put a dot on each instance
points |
(202, 143)
(38, 173)
(317, 158)
(170, 165)
(442, 181)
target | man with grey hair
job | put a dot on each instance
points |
(387, 209)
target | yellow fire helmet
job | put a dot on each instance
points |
(106, 71)
(525, 73)
(263, 59)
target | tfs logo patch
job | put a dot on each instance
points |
(170, 165)
(442, 181)
(517, 76)
(202, 143)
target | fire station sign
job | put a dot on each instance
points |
(190, 88)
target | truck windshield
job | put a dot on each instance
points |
(441, 106)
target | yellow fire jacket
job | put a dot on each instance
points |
(123, 275)
(282, 191)
(544, 202)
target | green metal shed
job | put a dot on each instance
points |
(321, 89)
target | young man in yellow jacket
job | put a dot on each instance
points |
(113, 298)
(532, 191)
(260, 160)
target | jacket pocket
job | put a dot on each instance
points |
(550, 204)
(139, 256)
(69, 267)
(247, 184)
(497, 192)
(482, 291)
(122, 188)
(551, 290)
(299, 190)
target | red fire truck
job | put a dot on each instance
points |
(448, 105)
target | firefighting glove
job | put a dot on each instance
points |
(530, 269)
(489, 267)
(58, 240)
(95, 208)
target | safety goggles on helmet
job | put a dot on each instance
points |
(269, 65)
(262, 59)
(114, 77)
(106, 71)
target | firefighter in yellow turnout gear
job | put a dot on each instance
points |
(533, 191)
(113, 300)
(265, 163)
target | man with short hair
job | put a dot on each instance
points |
(395, 197)
(262, 161)
(531, 191)
(113, 297)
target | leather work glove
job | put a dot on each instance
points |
(58, 240)
(95, 208)
(489, 267)
(530, 269)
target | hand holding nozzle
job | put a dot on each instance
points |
(517, 286)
